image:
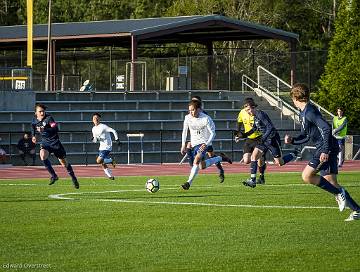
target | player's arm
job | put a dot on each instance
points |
(33, 132)
(211, 127)
(269, 127)
(113, 131)
(51, 125)
(94, 136)
(300, 139)
(324, 128)
(184, 136)
(238, 133)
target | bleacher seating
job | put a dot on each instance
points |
(159, 115)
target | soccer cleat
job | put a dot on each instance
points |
(112, 178)
(186, 186)
(261, 180)
(53, 179)
(225, 158)
(222, 176)
(113, 162)
(355, 215)
(341, 199)
(250, 182)
(75, 182)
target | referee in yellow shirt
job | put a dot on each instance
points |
(245, 123)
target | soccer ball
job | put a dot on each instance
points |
(152, 185)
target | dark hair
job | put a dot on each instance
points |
(195, 103)
(196, 98)
(340, 108)
(300, 92)
(40, 105)
(97, 114)
(249, 101)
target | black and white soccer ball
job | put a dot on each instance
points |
(152, 185)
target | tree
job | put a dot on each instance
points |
(8, 10)
(340, 83)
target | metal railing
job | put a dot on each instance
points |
(275, 100)
(158, 144)
(280, 89)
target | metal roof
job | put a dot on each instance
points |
(182, 29)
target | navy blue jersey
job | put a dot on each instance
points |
(49, 136)
(263, 124)
(315, 128)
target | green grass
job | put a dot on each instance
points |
(96, 232)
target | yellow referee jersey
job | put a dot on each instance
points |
(248, 122)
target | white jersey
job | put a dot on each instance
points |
(101, 133)
(202, 129)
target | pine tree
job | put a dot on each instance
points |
(340, 83)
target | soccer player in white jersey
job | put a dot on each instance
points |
(102, 133)
(202, 133)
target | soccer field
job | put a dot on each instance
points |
(118, 226)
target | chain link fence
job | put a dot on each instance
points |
(106, 69)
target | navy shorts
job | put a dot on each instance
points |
(57, 149)
(341, 141)
(104, 154)
(325, 168)
(273, 145)
(195, 151)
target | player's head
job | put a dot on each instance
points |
(194, 108)
(96, 118)
(340, 111)
(300, 93)
(249, 101)
(249, 105)
(27, 135)
(197, 98)
(40, 110)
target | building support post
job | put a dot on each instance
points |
(209, 47)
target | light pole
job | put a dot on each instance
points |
(29, 58)
(48, 59)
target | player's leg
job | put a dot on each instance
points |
(33, 155)
(274, 146)
(262, 168)
(330, 175)
(101, 159)
(211, 154)
(327, 178)
(44, 157)
(195, 168)
(261, 161)
(60, 153)
(108, 160)
(189, 154)
(22, 156)
(214, 160)
(255, 156)
(341, 153)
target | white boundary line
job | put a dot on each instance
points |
(67, 196)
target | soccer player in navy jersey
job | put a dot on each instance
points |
(315, 128)
(46, 126)
(270, 140)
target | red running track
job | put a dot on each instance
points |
(150, 170)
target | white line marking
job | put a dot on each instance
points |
(65, 196)
(19, 184)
